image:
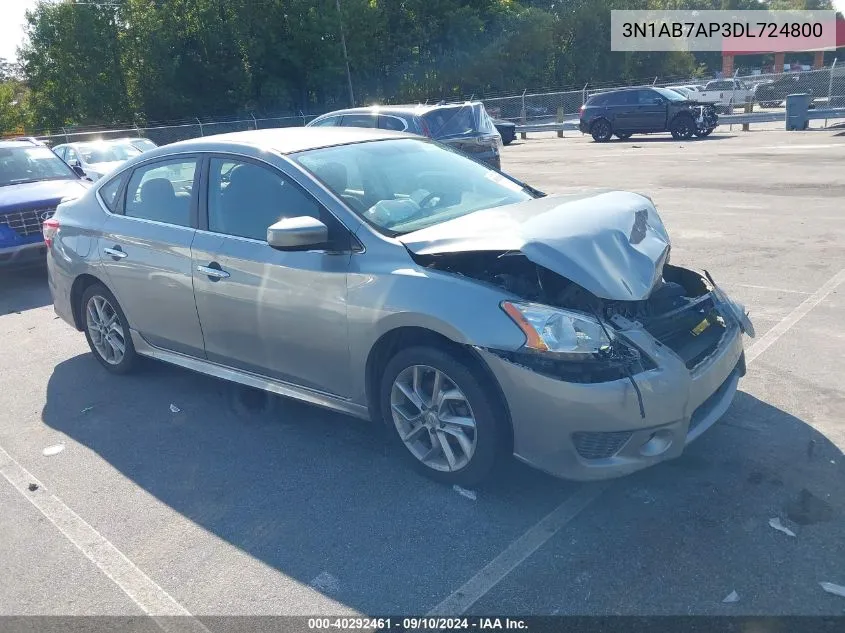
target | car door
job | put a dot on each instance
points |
(650, 111)
(281, 314)
(622, 110)
(145, 250)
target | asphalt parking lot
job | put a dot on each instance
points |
(224, 507)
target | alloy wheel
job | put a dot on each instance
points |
(105, 329)
(433, 418)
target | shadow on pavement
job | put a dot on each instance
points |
(306, 491)
(299, 488)
(23, 289)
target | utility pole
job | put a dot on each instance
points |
(345, 55)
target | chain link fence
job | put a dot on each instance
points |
(738, 93)
(165, 133)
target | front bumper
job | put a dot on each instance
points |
(31, 254)
(595, 431)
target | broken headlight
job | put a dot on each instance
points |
(558, 331)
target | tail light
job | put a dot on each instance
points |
(583, 107)
(50, 227)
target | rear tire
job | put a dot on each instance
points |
(107, 330)
(601, 131)
(419, 420)
(682, 127)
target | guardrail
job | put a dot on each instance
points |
(724, 119)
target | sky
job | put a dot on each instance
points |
(11, 24)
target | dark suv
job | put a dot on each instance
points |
(465, 126)
(33, 180)
(641, 110)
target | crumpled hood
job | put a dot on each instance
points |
(44, 193)
(612, 243)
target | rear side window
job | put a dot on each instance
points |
(162, 192)
(391, 123)
(108, 193)
(597, 100)
(329, 121)
(359, 120)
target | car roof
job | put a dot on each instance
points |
(20, 142)
(282, 140)
(417, 109)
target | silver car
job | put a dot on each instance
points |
(389, 277)
(97, 158)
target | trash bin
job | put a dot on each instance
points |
(797, 106)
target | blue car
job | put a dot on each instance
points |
(33, 180)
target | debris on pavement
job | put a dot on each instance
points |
(325, 582)
(808, 509)
(780, 527)
(469, 494)
(174, 409)
(733, 596)
(836, 590)
(33, 487)
(86, 409)
(55, 449)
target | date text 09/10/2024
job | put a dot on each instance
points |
(416, 624)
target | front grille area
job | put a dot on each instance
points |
(600, 445)
(26, 223)
(681, 331)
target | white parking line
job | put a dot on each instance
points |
(770, 337)
(489, 576)
(140, 588)
(772, 289)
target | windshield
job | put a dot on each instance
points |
(31, 164)
(670, 94)
(403, 185)
(143, 144)
(93, 153)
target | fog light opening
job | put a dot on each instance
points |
(657, 444)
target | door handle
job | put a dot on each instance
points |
(115, 253)
(213, 273)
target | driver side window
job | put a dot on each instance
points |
(244, 199)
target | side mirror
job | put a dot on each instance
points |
(76, 167)
(297, 234)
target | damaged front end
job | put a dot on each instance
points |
(576, 336)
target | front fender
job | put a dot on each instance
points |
(462, 310)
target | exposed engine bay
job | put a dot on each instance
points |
(517, 274)
(681, 312)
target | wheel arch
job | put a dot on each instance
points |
(389, 343)
(77, 289)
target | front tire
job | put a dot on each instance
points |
(682, 127)
(623, 136)
(442, 415)
(107, 330)
(601, 131)
(703, 133)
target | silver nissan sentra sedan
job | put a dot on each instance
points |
(389, 277)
